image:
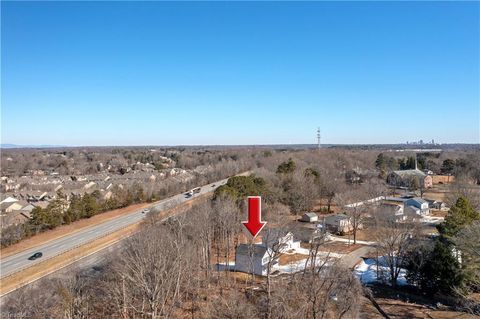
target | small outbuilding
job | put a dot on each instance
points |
(309, 218)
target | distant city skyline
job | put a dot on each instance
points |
(220, 73)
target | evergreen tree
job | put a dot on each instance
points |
(448, 166)
(410, 163)
(286, 167)
(239, 187)
(459, 216)
(435, 269)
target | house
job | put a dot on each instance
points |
(339, 223)
(89, 185)
(419, 205)
(279, 240)
(308, 235)
(391, 211)
(14, 217)
(42, 204)
(435, 204)
(408, 178)
(353, 177)
(9, 199)
(11, 206)
(309, 217)
(252, 257)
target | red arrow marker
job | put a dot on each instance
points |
(254, 224)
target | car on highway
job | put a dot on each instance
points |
(196, 190)
(213, 185)
(145, 211)
(35, 256)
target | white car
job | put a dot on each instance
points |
(146, 211)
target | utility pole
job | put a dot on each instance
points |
(318, 138)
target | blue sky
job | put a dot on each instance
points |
(156, 73)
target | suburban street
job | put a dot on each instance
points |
(20, 261)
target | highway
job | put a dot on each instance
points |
(19, 261)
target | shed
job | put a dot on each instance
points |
(309, 217)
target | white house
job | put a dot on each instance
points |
(254, 258)
(9, 199)
(309, 217)
(435, 204)
(391, 211)
(279, 240)
(11, 206)
(418, 205)
(339, 224)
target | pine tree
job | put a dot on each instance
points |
(459, 216)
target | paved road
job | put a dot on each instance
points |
(353, 258)
(14, 263)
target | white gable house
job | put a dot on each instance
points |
(252, 258)
(418, 205)
(279, 240)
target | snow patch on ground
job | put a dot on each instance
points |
(323, 257)
(366, 272)
(433, 220)
(345, 240)
(298, 266)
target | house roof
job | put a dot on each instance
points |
(275, 233)
(418, 200)
(41, 204)
(245, 249)
(9, 199)
(23, 203)
(306, 234)
(412, 210)
(335, 218)
(389, 209)
(311, 215)
(410, 172)
(6, 205)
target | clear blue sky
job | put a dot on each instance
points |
(125, 73)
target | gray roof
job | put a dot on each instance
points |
(275, 233)
(305, 234)
(310, 215)
(245, 249)
(418, 200)
(410, 172)
(335, 218)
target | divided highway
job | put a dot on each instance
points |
(20, 261)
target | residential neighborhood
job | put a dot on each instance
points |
(240, 160)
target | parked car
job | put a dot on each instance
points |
(35, 256)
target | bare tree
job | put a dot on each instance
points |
(358, 202)
(74, 297)
(394, 239)
(276, 240)
(327, 290)
(150, 273)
